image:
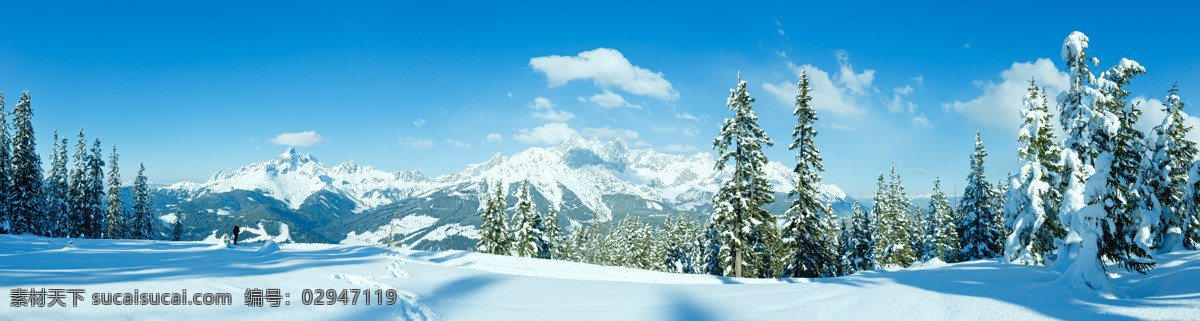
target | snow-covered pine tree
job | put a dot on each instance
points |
(27, 199)
(1190, 223)
(79, 217)
(712, 264)
(1128, 202)
(116, 223)
(494, 232)
(56, 189)
(177, 226)
(845, 250)
(918, 224)
(682, 243)
(940, 235)
(6, 189)
(526, 225)
(979, 233)
(805, 246)
(892, 241)
(1078, 104)
(93, 193)
(1171, 156)
(738, 215)
(862, 240)
(1031, 210)
(553, 235)
(143, 210)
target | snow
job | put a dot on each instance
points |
(169, 218)
(676, 181)
(402, 226)
(457, 285)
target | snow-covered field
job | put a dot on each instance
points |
(457, 285)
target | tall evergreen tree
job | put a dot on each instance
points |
(941, 235)
(27, 199)
(115, 219)
(1171, 156)
(177, 226)
(78, 209)
(93, 192)
(527, 225)
(56, 189)
(143, 210)
(744, 226)
(1190, 224)
(6, 188)
(979, 230)
(892, 240)
(494, 233)
(552, 235)
(806, 245)
(862, 240)
(1031, 211)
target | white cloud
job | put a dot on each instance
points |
(554, 115)
(827, 96)
(907, 89)
(509, 95)
(686, 115)
(419, 123)
(606, 68)
(494, 138)
(458, 143)
(677, 148)
(610, 132)
(551, 133)
(1000, 103)
(967, 45)
(856, 82)
(302, 139)
(416, 143)
(919, 79)
(922, 122)
(840, 126)
(546, 110)
(610, 99)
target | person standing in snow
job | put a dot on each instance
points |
(236, 230)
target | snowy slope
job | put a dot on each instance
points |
(458, 285)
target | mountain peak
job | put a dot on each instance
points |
(294, 157)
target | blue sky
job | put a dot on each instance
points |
(191, 89)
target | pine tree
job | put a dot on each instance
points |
(56, 190)
(805, 243)
(115, 220)
(979, 228)
(177, 226)
(1127, 198)
(892, 240)
(494, 233)
(93, 195)
(6, 188)
(527, 225)
(553, 235)
(712, 251)
(1167, 175)
(1190, 224)
(1078, 111)
(79, 215)
(27, 199)
(1031, 211)
(862, 240)
(744, 226)
(143, 210)
(941, 235)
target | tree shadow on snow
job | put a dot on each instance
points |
(36, 263)
(683, 308)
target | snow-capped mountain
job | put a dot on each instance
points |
(578, 177)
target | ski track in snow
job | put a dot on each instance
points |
(458, 285)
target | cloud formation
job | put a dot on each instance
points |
(550, 134)
(419, 123)
(494, 138)
(301, 139)
(610, 132)
(1000, 103)
(677, 148)
(827, 96)
(416, 143)
(545, 110)
(609, 99)
(605, 68)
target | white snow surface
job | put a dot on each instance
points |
(587, 168)
(456, 285)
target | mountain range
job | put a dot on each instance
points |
(295, 197)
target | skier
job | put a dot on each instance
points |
(236, 230)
